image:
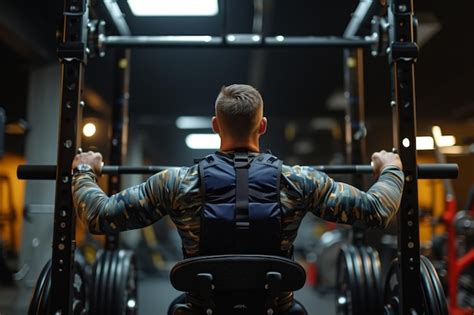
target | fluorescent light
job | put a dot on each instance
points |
(89, 129)
(446, 141)
(193, 122)
(427, 143)
(280, 38)
(174, 7)
(424, 143)
(203, 141)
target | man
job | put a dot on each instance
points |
(237, 200)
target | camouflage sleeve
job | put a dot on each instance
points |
(132, 208)
(343, 203)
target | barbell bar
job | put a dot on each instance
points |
(425, 171)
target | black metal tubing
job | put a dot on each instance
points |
(359, 16)
(118, 143)
(354, 86)
(117, 17)
(72, 55)
(401, 36)
(432, 171)
(235, 41)
(355, 110)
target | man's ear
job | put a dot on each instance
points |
(263, 126)
(215, 125)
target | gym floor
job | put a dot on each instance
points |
(155, 295)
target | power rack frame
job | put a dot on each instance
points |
(73, 49)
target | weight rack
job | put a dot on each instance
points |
(402, 53)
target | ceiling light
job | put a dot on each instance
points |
(174, 7)
(193, 122)
(440, 139)
(424, 143)
(204, 141)
(256, 38)
(427, 142)
(280, 38)
(89, 129)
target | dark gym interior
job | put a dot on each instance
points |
(137, 81)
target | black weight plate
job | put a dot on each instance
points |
(371, 292)
(119, 293)
(80, 294)
(429, 294)
(377, 278)
(111, 298)
(104, 283)
(96, 275)
(41, 282)
(392, 290)
(121, 283)
(131, 284)
(126, 286)
(46, 294)
(345, 281)
(434, 302)
(438, 287)
(359, 285)
(97, 305)
(377, 272)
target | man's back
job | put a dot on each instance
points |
(177, 192)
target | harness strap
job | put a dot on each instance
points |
(241, 165)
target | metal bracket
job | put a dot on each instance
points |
(72, 51)
(406, 51)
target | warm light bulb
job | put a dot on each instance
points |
(89, 130)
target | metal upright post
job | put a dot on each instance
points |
(355, 121)
(72, 55)
(355, 111)
(402, 55)
(118, 146)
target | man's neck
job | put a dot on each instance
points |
(234, 145)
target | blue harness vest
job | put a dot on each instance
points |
(241, 213)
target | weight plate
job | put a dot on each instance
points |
(437, 286)
(104, 282)
(98, 287)
(377, 277)
(118, 292)
(434, 301)
(391, 290)
(345, 294)
(42, 294)
(429, 294)
(131, 285)
(45, 294)
(115, 284)
(41, 283)
(126, 285)
(80, 303)
(111, 298)
(371, 293)
(359, 304)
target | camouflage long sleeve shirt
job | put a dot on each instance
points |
(176, 192)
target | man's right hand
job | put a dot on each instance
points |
(94, 159)
(382, 159)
